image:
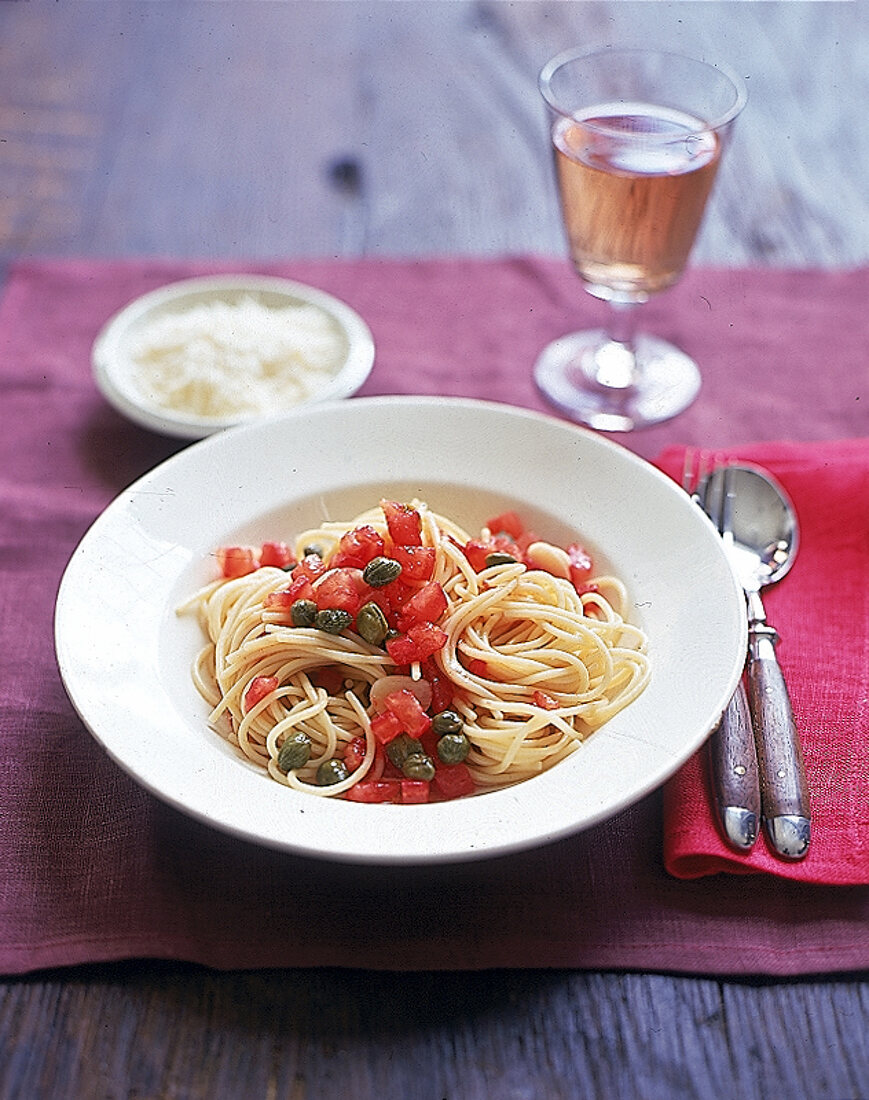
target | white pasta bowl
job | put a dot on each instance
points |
(200, 355)
(125, 656)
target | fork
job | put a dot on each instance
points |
(732, 752)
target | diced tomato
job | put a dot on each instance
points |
(441, 693)
(405, 706)
(340, 560)
(414, 791)
(397, 593)
(453, 781)
(427, 638)
(425, 605)
(507, 523)
(386, 727)
(278, 601)
(417, 562)
(300, 588)
(578, 577)
(421, 641)
(385, 684)
(441, 688)
(477, 550)
(581, 565)
(341, 589)
(237, 561)
(311, 566)
(380, 596)
(429, 741)
(276, 553)
(328, 677)
(404, 523)
(354, 753)
(504, 544)
(389, 597)
(377, 765)
(545, 700)
(258, 689)
(390, 771)
(477, 668)
(358, 547)
(526, 539)
(375, 790)
(402, 650)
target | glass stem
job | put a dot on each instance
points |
(615, 363)
(623, 323)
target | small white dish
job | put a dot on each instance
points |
(122, 379)
(125, 656)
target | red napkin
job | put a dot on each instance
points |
(821, 611)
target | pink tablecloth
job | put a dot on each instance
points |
(93, 868)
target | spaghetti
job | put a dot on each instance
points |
(396, 658)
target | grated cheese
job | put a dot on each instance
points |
(221, 360)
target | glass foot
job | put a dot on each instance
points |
(595, 381)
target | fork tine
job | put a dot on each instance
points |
(694, 472)
(705, 470)
(732, 750)
(725, 508)
(689, 480)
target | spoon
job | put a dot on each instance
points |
(761, 537)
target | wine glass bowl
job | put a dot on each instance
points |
(637, 138)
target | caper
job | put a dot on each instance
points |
(453, 748)
(418, 766)
(331, 771)
(498, 557)
(314, 548)
(333, 620)
(401, 747)
(381, 571)
(303, 613)
(295, 752)
(447, 722)
(371, 624)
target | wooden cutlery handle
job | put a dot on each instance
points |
(735, 774)
(784, 791)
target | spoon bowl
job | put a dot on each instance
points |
(764, 531)
(759, 527)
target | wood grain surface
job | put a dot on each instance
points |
(330, 129)
(283, 129)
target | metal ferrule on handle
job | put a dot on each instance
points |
(733, 761)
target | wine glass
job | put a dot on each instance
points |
(637, 137)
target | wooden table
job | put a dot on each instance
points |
(265, 130)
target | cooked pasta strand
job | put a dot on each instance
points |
(534, 666)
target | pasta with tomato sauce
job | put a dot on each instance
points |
(396, 658)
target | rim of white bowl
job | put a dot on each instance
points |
(109, 364)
